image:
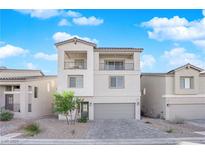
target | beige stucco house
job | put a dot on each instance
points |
(178, 94)
(26, 93)
(108, 79)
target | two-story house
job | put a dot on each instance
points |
(108, 79)
(178, 94)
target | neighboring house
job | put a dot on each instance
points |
(108, 79)
(178, 94)
(26, 93)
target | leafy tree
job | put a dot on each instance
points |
(66, 103)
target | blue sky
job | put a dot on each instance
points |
(170, 38)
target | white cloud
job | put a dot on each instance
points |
(9, 50)
(44, 56)
(179, 56)
(203, 12)
(62, 36)
(90, 21)
(41, 14)
(175, 28)
(200, 44)
(64, 22)
(147, 61)
(73, 14)
(31, 66)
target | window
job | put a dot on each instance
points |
(29, 108)
(116, 82)
(75, 81)
(186, 82)
(35, 92)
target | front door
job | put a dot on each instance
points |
(9, 103)
(84, 109)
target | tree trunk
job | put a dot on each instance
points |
(66, 115)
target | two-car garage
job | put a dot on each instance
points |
(114, 111)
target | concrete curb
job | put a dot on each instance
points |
(150, 141)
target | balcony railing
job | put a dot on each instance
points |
(73, 65)
(125, 66)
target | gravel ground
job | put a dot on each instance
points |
(11, 126)
(52, 128)
(178, 130)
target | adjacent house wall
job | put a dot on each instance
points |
(2, 96)
(152, 101)
(43, 104)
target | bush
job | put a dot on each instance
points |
(178, 121)
(83, 119)
(170, 130)
(32, 129)
(6, 116)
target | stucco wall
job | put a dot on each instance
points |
(42, 105)
(152, 101)
(186, 72)
(88, 74)
(2, 96)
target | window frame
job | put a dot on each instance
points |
(117, 87)
(183, 79)
(75, 76)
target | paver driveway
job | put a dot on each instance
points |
(122, 129)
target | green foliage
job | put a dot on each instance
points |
(170, 130)
(83, 119)
(66, 102)
(6, 116)
(32, 129)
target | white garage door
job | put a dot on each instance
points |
(187, 111)
(114, 111)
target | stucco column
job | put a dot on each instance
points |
(91, 111)
(138, 110)
(23, 99)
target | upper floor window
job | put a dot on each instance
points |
(35, 92)
(186, 82)
(75, 81)
(116, 82)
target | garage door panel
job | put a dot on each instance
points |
(114, 111)
(187, 111)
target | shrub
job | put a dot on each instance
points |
(147, 122)
(83, 119)
(6, 116)
(32, 129)
(170, 130)
(178, 121)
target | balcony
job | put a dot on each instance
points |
(116, 66)
(75, 65)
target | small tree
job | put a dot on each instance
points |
(66, 103)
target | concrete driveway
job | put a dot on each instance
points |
(122, 129)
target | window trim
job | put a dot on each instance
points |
(123, 86)
(68, 81)
(191, 82)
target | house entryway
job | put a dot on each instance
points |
(9, 102)
(84, 109)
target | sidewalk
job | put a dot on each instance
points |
(158, 141)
